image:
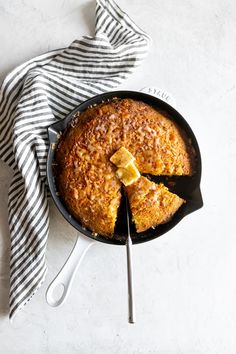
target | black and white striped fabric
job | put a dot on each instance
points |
(35, 95)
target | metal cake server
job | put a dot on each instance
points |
(131, 305)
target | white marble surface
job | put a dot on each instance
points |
(185, 281)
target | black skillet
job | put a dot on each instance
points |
(185, 186)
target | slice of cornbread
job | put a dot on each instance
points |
(151, 204)
(122, 157)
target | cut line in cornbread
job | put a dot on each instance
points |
(122, 157)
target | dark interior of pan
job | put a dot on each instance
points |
(187, 187)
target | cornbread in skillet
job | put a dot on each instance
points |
(151, 204)
(86, 178)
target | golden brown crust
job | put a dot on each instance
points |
(151, 204)
(158, 145)
(86, 178)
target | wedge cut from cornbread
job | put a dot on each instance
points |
(128, 175)
(122, 157)
(151, 204)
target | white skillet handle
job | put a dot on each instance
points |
(66, 275)
(161, 94)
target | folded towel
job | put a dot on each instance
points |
(32, 97)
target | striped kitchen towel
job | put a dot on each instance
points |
(33, 96)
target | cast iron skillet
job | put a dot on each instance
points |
(185, 186)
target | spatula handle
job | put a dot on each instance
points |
(131, 305)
